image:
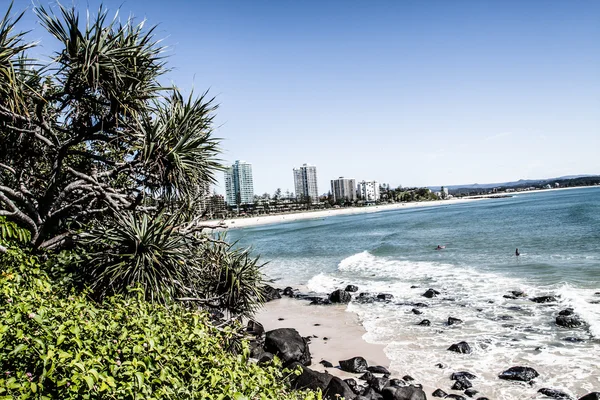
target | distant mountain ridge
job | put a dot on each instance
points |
(520, 182)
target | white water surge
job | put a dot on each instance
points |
(502, 332)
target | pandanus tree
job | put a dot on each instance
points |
(95, 152)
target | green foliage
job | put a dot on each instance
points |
(58, 347)
(9, 231)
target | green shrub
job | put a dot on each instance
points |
(63, 346)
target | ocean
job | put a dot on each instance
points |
(558, 236)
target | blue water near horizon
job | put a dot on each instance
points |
(557, 233)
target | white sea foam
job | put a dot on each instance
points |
(503, 332)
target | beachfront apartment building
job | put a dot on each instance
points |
(239, 186)
(343, 189)
(368, 191)
(305, 183)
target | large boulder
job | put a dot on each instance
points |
(288, 345)
(355, 365)
(525, 374)
(431, 293)
(310, 379)
(591, 396)
(403, 393)
(270, 293)
(555, 394)
(544, 299)
(338, 388)
(461, 347)
(340, 296)
(569, 321)
(379, 383)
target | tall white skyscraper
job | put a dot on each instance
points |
(239, 186)
(305, 183)
(368, 190)
(343, 189)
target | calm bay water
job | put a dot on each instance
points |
(558, 235)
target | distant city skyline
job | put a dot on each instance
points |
(424, 93)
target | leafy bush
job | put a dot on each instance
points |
(56, 345)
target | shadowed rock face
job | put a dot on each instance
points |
(569, 321)
(544, 299)
(310, 379)
(403, 393)
(340, 296)
(288, 345)
(430, 293)
(461, 347)
(338, 388)
(525, 374)
(591, 396)
(555, 394)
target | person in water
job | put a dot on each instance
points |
(517, 252)
(440, 247)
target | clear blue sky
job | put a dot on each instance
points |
(405, 92)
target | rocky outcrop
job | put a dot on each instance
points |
(461, 347)
(355, 365)
(310, 379)
(338, 388)
(525, 374)
(270, 293)
(340, 296)
(555, 394)
(403, 393)
(351, 288)
(431, 293)
(569, 321)
(454, 321)
(544, 299)
(288, 345)
(591, 396)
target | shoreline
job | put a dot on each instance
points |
(270, 219)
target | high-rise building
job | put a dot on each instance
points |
(305, 183)
(343, 189)
(239, 186)
(368, 191)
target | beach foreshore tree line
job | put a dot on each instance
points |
(112, 285)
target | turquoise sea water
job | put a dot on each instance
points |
(558, 235)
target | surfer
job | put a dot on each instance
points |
(517, 252)
(440, 247)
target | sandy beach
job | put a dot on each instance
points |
(341, 328)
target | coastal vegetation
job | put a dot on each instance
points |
(111, 284)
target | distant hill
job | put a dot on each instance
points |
(519, 183)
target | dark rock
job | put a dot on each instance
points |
(544, 299)
(378, 369)
(471, 392)
(461, 347)
(310, 379)
(555, 394)
(456, 396)
(255, 328)
(318, 301)
(462, 384)
(280, 319)
(270, 293)
(439, 393)
(370, 394)
(510, 296)
(367, 376)
(265, 358)
(425, 322)
(462, 374)
(573, 339)
(421, 305)
(340, 296)
(525, 374)
(379, 383)
(288, 291)
(408, 378)
(591, 396)
(397, 382)
(454, 321)
(325, 338)
(482, 398)
(403, 393)
(415, 311)
(326, 364)
(567, 311)
(414, 287)
(518, 293)
(355, 365)
(353, 385)
(385, 296)
(568, 321)
(288, 345)
(351, 288)
(339, 388)
(256, 349)
(440, 365)
(430, 293)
